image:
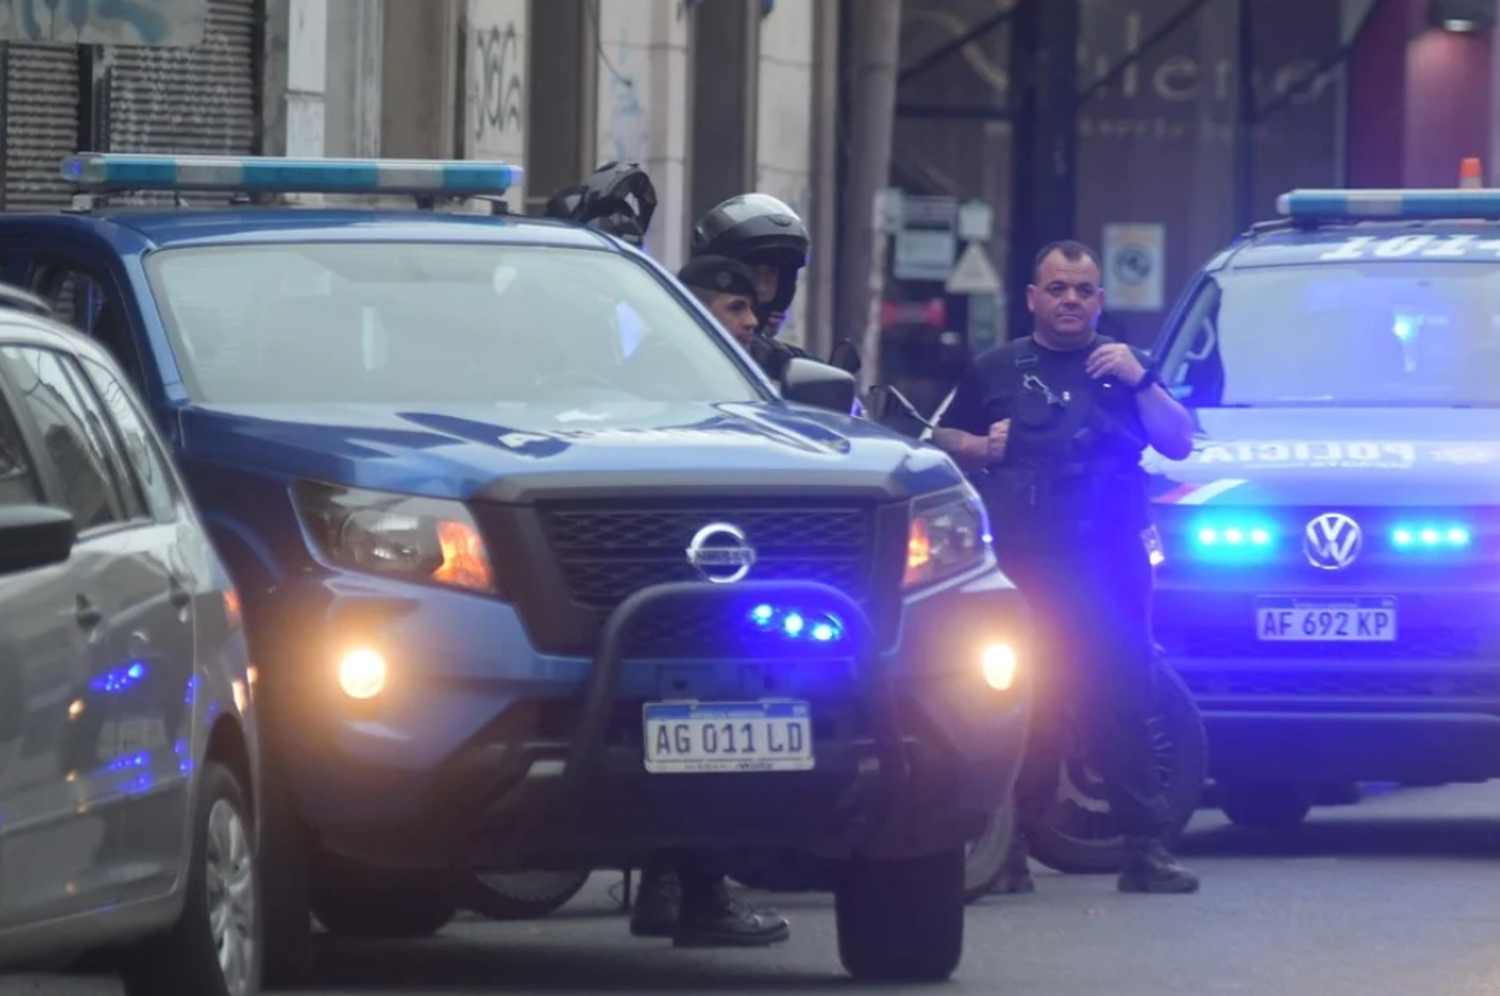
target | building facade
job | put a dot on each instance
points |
(712, 97)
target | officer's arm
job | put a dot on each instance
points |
(963, 433)
(1169, 427)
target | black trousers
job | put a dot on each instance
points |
(1094, 677)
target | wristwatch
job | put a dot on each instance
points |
(1148, 380)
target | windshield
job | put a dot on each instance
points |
(413, 323)
(1358, 334)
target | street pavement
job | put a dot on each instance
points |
(1396, 896)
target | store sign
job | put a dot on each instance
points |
(157, 23)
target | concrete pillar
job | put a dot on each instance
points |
(420, 102)
(495, 107)
(356, 33)
(644, 106)
(295, 77)
(786, 91)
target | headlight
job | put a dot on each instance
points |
(400, 536)
(950, 534)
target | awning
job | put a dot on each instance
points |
(160, 23)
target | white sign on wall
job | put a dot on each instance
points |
(495, 99)
(1134, 267)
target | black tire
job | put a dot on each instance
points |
(984, 858)
(1258, 805)
(523, 895)
(902, 921)
(1080, 836)
(186, 961)
(352, 900)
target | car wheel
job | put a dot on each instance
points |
(215, 948)
(523, 895)
(1080, 835)
(352, 900)
(1261, 805)
(984, 858)
(902, 921)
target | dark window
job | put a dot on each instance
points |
(18, 483)
(146, 459)
(82, 301)
(79, 451)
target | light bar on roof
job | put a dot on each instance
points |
(1359, 205)
(101, 172)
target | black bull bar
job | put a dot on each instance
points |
(600, 688)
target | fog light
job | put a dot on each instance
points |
(362, 674)
(999, 666)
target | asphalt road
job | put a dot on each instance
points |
(1399, 895)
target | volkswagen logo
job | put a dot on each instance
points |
(1332, 541)
(721, 553)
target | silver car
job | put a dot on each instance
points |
(128, 753)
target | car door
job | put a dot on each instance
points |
(59, 833)
(162, 637)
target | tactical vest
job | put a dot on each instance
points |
(1071, 472)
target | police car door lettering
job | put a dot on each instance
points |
(1452, 247)
(1404, 246)
(1351, 249)
(1305, 454)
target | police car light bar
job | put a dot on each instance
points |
(1370, 205)
(104, 172)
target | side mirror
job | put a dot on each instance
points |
(809, 382)
(846, 357)
(33, 536)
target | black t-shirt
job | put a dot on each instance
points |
(989, 391)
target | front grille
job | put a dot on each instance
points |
(1360, 685)
(1444, 644)
(607, 553)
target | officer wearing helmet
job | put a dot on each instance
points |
(765, 234)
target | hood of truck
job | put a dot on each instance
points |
(515, 452)
(1348, 456)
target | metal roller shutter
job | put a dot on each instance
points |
(41, 124)
(201, 100)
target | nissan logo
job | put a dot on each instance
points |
(1332, 541)
(721, 553)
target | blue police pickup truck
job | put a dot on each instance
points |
(1331, 572)
(539, 570)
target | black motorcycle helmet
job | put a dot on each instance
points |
(757, 229)
(604, 202)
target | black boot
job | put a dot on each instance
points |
(1149, 867)
(657, 904)
(1015, 876)
(713, 917)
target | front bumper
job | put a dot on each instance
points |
(1425, 708)
(494, 758)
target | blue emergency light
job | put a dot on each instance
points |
(99, 172)
(1373, 205)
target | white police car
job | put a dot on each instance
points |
(1330, 582)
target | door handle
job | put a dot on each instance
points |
(88, 616)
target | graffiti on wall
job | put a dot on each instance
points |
(168, 23)
(496, 111)
(623, 132)
(502, 93)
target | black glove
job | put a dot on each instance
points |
(773, 355)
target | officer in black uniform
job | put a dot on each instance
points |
(1053, 425)
(765, 234)
(727, 288)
